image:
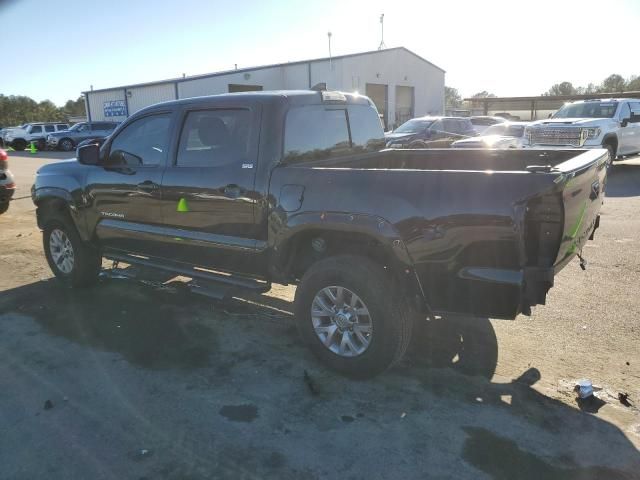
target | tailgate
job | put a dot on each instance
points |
(582, 183)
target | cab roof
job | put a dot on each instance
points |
(292, 97)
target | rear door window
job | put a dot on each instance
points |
(49, 128)
(366, 129)
(450, 126)
(62, 127)
(211, 138)
(315, 132)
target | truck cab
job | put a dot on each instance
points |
(613, 124)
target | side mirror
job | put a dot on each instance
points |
(624, 122)
(120, 158)
(89, 154)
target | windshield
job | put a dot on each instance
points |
(505, 130)
(413, 126)
(587, 110)
(76, 127)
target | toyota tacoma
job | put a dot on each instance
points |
(237, 191)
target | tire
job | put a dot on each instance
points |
(19, 144)
(84, 267)
(66, 145)
(386, 328)
(41, 145)
(415, 145)
(4, 206)
(612, 154)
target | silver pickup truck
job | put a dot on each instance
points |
(613, 124)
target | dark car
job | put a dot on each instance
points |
(7, 184)
(241, 190)
(501, 135)
(430, 132)
(67, 140)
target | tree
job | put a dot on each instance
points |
(633, 85)
(451, 97)
(613, 83)
(16, 110)
(563, 88)
(74, 108)
(484, 94)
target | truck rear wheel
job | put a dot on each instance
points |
(71, 260)
(351, 317)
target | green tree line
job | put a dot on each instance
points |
(17, 109)
(612, 84)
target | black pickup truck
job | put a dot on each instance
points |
(237, 191)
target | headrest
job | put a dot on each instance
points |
(212, 131)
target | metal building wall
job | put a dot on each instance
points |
(141, 97)
(392, 68)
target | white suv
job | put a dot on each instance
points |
(20, 137)
(613, 124)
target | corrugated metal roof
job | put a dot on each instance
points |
(250, 69)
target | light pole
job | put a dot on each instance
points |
(329, 36)
(382, 45)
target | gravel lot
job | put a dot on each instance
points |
(127, 381)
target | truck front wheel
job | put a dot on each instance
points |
(66, 144)
(19, 144)
(71, 260)
(612, 154)
(351, 316)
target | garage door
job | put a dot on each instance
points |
(404, 104)
(377, 92)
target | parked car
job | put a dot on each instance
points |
(613, 124)
(293, 188)
(507, 116)
(68, 139)
(501, 135)
(430, 132)
(481, 123)
(19, 138)
(7, 183)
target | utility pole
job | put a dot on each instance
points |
(382, 45)
(329, 36)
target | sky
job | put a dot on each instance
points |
(56, 50)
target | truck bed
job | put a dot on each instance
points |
(486, 230)
(468, 159)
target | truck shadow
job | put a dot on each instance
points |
(447, 373)
(623, 180)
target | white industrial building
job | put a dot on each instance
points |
(401, 83)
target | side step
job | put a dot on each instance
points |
(208, 283)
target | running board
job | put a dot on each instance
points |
(212, 281)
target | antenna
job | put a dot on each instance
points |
(382, 45)
(329, 36)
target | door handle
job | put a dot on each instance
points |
(148, 186)
(232, 191)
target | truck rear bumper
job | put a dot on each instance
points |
(496, 292)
